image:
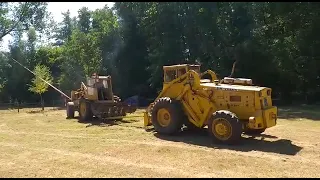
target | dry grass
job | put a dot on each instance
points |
(48, 145)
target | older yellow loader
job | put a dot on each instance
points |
(229, 107)
(97, 99)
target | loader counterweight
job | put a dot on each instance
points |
(230, 105)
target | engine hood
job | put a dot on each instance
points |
(233, 87)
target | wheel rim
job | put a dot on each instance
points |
(221, 128)
(163, 117)
(83, 109)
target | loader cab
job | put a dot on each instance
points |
(100, 87)
(175, 71)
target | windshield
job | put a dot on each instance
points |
(90, 82)
(195, 68)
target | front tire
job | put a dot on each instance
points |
(224, 127)
(70, 110)
(167, 116)
(85, 112)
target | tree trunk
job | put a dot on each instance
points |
(42, 104)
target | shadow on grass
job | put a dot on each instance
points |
(105, 123)
(201, 138)
(300, 112)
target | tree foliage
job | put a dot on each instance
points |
(21, 16)
(40, 81)
(274, 43)
(38, 85)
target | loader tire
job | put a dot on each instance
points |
(70, 110)
(225, 128)
(85, 113)
(254, 131)
(167, 116)
(116, 98)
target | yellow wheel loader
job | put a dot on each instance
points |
(229, 107)
(97, 99)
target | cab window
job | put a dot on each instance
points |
(181, 72)
(170, 75)
(195, 68)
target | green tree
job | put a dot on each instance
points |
(64, 31)
(38, 85)
(272, 44)
(3, 71)
(24, 15)
(84, 23)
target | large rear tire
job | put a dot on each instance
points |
(70, 110)
(167, 116)
(85, 112)
(225, 128)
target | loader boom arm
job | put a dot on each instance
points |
(191, 82)
(182, 79)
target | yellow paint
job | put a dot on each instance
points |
(163, 117)
(147, 119)
(221, 128)
(202, 97)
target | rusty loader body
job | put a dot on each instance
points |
(97, 99)
(229, 107)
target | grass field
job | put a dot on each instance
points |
(49, 145)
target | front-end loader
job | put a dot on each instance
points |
(97, 99)
(229, 107)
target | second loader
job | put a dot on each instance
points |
(97, 99)
(229, 107)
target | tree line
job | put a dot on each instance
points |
(273, 43)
